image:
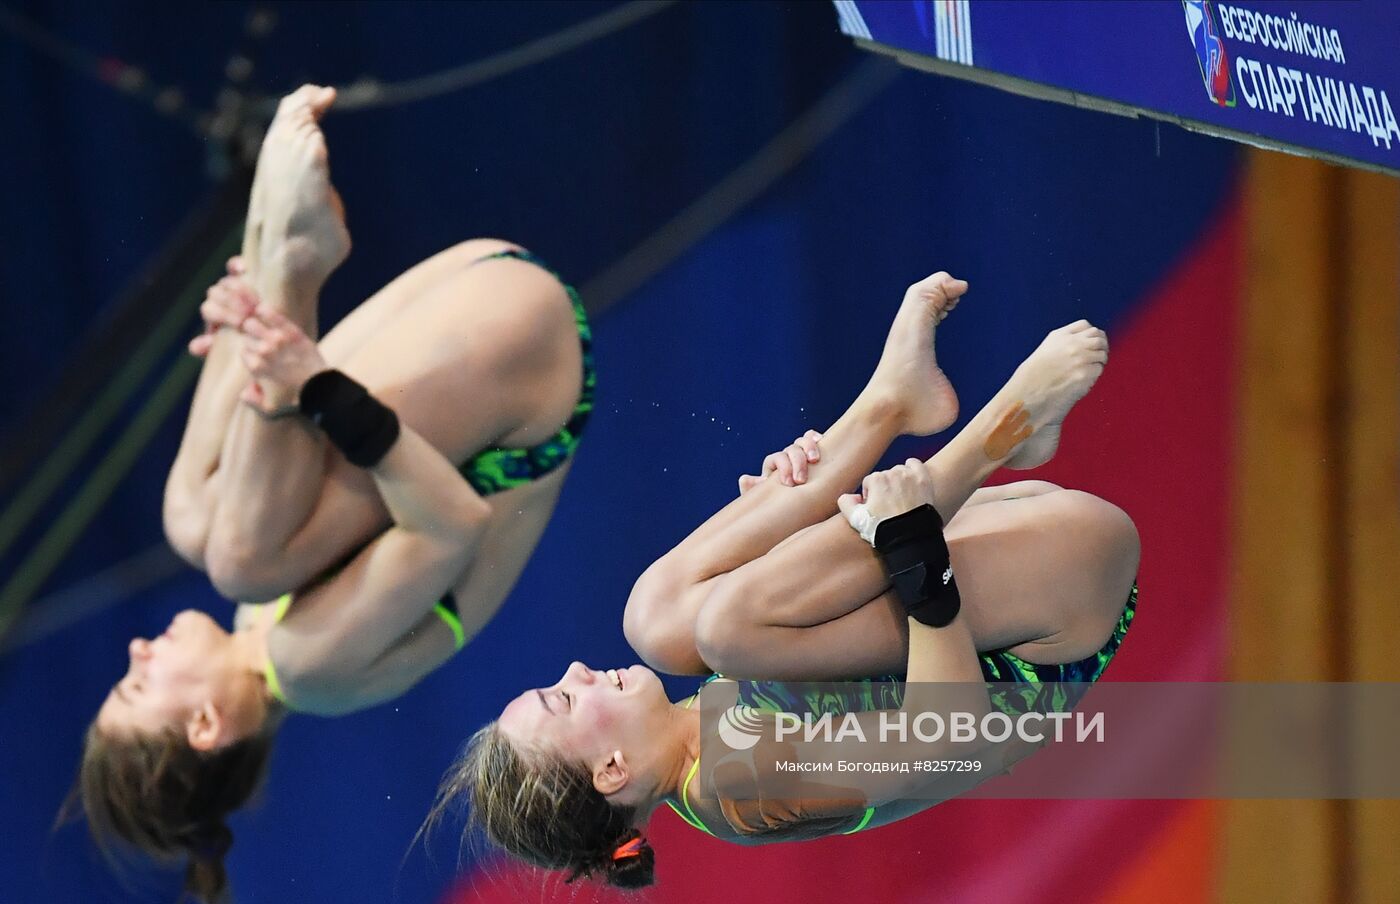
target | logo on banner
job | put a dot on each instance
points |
(740, 727)
(1210, 51)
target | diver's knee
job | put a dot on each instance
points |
(725, 628)
(238, 572)
(186, 530)
(1111, 538)
(1112, 532)
(655, 625)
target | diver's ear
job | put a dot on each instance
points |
(613, 775)
(205, 727)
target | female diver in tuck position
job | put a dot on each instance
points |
(778, 586)
(294, 484)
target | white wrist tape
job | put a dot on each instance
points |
(864, 523)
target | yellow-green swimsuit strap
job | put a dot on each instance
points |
(274, 687)
(864, 821)
(459, 637)
(284, 602)
(689, 815)
(695, 822)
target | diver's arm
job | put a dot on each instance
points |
(391, 584)
(943, 672)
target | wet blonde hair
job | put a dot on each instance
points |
(544, 810)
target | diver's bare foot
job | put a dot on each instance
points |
(256, 220)
(257, 205)
(1028, 411)
(908, 370)
(253, 225)
(303, 237)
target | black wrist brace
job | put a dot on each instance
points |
(361, 427)
(915, 556)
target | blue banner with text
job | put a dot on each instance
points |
(1313, 77)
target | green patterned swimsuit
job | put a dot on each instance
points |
(1024, 687)
(495, 469)
(1030, 681)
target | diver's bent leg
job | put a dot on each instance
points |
(193, 487)
(1020, 489)
(771, 591)
(463, 374)
(659, 620)
(1046, 577)
(908, 393)
(190, 491)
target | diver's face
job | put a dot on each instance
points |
(589, 714)
(169, 678)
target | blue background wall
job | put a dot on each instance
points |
(767, 326)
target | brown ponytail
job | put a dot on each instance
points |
(205, 877)
(167, 800)
(545, 811)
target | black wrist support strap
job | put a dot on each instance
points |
(915, 556)
(362, 428)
